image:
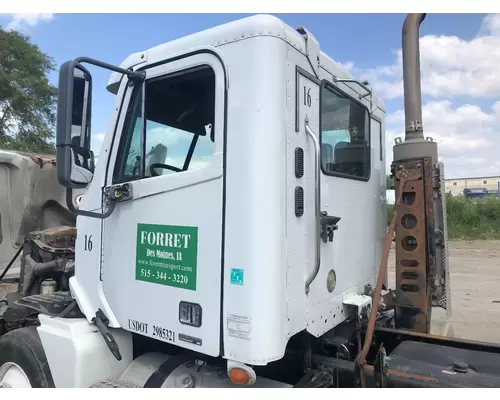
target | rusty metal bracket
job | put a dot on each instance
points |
(415, 247)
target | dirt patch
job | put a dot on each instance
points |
(7, 288)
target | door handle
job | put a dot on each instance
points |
(328, 226)
(317, 204)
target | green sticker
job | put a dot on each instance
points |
(236, 276)
(167, 255)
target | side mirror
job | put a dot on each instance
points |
(75, 160)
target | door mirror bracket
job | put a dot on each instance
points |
(75, 160)
(74, 210)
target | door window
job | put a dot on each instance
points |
(179, 112)
(345, 135)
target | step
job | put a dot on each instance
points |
(113, 384)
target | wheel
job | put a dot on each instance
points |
(23, 363)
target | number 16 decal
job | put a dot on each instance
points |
(88, 243)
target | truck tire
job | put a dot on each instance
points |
(22, 360)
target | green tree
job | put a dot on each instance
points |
(389, 182)
(27, 99)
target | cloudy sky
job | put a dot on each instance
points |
(460, 56)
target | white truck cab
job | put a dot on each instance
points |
(239, 198)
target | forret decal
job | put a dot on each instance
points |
(167, 255)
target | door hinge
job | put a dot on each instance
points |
(101, 321)
(117, 193)
(312, 49)
(328, 226)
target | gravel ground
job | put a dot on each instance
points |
(475, 286)
(475, 289)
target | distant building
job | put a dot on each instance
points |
(456, 186)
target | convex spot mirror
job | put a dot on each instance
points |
(75, 160)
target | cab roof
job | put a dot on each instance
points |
(241, 29)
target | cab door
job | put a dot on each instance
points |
(342, 202)
(349, 193)
(161, 253)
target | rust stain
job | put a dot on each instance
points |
(418, 377)
(431, 336)
(40, 159)
(423, 334)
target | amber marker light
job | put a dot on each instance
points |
(239, 376)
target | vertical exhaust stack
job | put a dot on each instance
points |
(422, 274)
(414, 145)
(411, 77)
